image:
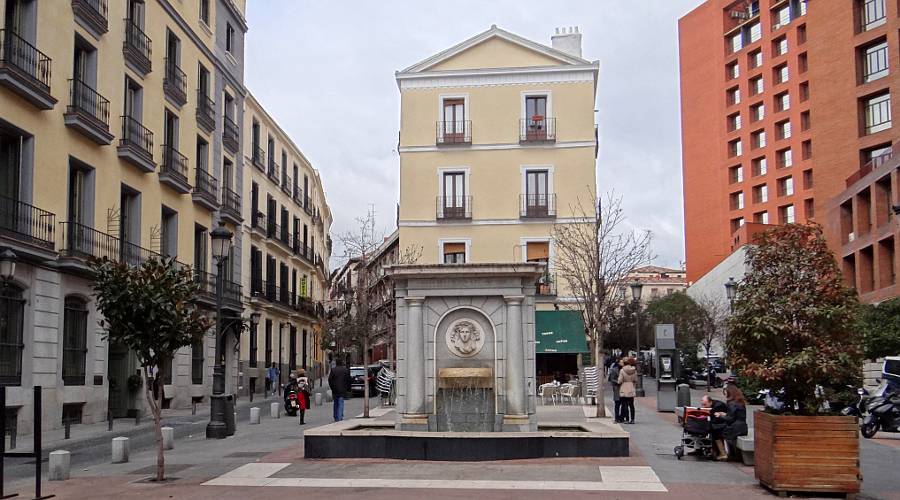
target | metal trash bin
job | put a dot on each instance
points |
(684, 395)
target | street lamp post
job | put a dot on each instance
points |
(217, 428)
(730, 290)
(636, 289)
(8, 261)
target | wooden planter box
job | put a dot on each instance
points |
(813, 454)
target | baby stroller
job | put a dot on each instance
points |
(696, 435)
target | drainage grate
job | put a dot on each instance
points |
(170, 468)
(248, 454)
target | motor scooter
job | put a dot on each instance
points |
(857, 409)
(882, 413)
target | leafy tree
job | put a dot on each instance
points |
(682, 311)
(149, 309)
(621, 329)
(880, 325)
(793, 321)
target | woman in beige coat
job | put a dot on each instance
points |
(627, 381)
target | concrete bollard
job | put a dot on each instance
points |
(120, 450)
(254, 415)
(59, 465)
(328, 396)
(274, 410)
(168, 435)
(318, 399)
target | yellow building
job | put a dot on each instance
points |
(119, 137)
(286, 249)
(497, 143)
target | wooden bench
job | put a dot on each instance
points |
(746, 446)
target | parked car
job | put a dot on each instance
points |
(358, 379)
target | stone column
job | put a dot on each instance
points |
(415, 357)
(515, 358)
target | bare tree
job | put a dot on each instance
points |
(712, 328)
(594, 255)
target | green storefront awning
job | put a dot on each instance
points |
(559, 332)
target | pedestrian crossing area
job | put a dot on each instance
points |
(608, 478)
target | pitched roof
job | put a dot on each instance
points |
(494, 32)
(656, 270)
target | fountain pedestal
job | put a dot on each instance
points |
(465, 347)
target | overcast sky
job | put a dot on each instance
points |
(325, 71)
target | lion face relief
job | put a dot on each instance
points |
(464, 338)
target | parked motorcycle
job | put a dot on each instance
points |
(883, 413)
(857, 409)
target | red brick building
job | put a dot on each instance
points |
(782, 101)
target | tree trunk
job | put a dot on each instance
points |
(155, 405)
(365, 357)
(598, 362)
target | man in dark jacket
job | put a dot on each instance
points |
(613, 378)
(339, 382)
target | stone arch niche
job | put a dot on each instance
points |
(465, 371)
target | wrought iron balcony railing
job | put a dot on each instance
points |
(206, 185)
(230, 134)
(93, 12)
(231, 202)
(206, 110)
(137, 46)
(27, 223)
(273, 170)
(84, 242)
(454, 207)
(174, 169)
(454, 132)
(537, 129)
(85, 101)
(259, 158)
(175, 82)
(537, 205)
(24, 59)
(136, 135)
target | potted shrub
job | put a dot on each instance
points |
(792, 332)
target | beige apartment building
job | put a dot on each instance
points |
(119, 139)
(286, 249)
(497, 143)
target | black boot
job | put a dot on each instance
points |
(302, 415)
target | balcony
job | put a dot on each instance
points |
(231, 291)
(82, 243)
(27, 224)
(545, 286)
(454, 207)
(454, 132)
(206, 190)
(259, 158)
(25, 70)
(258, 221)
(206, 111)
(88, 113)
(230, 135)
(537, 129)
(137, 48)
(284, 236)
(92, 14)
(136, 144)
(273, 170)
(273, 230)
(173, 170)
(231, 206)
(537, 206)
(286, 184)
(175, 83)
(307, 205)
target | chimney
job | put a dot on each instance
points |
(567, 40)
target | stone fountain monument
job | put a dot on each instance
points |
(465, 347)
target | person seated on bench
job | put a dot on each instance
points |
(734, 420)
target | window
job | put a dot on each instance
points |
(803, 63)
(783, 101)
(877, 113)
(197, 362)
(733, 70)
(761, 217)
(204, 11)
(454, 120)
(80, 197)
(809, 208)
(454, 252)
(734, 122)
(268, 342)
(203, 82)
(735, 148)
(757, 86)
(780, 46)
(784, 129)
(229, 38)
(801, 30)
(454, 200)
(786, 214)
(253, 345)
(785, 158)
(804, 121)
(200, 260)
(168, 233)
(760, 193)
(736, 174)
(875, 61)
(782, 17)
(737, 200)
(758, 112)
(877, 155)
(759, 139)
(737, 224)
(786, 186)
(75, 319)
(72, 413)
(782, 75)
(537, 251)
(872, 14)
(806, 151)
(537, 193)
(755, 32)
(804, 91)
(807, 179)
(737, 42)
(759, 166)
(734, 96)
(292, 350)
(755, 59)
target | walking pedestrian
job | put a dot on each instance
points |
(613, 378)
(339, 382)
(627, 381)
(304, 391)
